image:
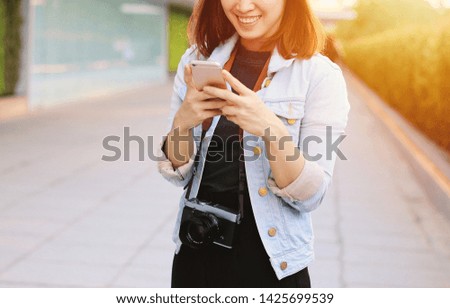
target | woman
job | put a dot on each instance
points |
(287, 101)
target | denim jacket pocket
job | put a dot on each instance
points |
(290, 112)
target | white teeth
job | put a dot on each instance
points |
(249, 20)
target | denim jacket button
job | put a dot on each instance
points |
(272, 232)
(262, 191)
(257, 150)
(283, 265)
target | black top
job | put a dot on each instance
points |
(221, 171)
(247, 264)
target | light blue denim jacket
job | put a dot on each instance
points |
(307, 95)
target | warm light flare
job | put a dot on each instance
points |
(342, 4)
(439, 3)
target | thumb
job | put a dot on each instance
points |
(188, 75)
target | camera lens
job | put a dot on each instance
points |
(197, 232)
(201, 229)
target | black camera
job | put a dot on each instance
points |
(203, 223)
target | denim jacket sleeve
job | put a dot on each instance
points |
(178, 176)
(326, 105)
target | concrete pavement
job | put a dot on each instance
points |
(67, 218)
(377, 226)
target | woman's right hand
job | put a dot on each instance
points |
(197, 105)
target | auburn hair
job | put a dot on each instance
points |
(300, 34)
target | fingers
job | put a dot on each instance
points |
(222, 93)
(203, 96)
(211, 113)
(214, 104)
(236, 84)
(229, 111)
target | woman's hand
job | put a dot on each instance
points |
(197, 105)
(249, 112)
(246, 109)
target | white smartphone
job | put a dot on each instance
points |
(207, 73)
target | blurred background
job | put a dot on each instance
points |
(73, 73)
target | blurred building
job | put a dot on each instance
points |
(84, 48)
(80, 49)
(332, 11)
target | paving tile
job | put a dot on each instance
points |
(391, 276)
(14, 247)
(67, 218)
(325, 274)
(327, 251)
(386, 241)
(379, 225)
(326, 235)
(323, 220)
(20, 284)
(83, 254)
(154, 256)
(138, 277)
(102, 235)
(59, 274)
(163, 239)
(48, 207)
(28, 226)
(408, 259)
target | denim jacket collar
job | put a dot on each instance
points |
(222, 53)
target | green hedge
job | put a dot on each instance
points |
(178, 40)
(2, 46)
(376, 16)
(11, 23)
(409, 68)
(400, 49)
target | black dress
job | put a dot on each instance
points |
(247, 263)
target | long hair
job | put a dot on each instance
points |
(300, 34)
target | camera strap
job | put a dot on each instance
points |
(207, 123)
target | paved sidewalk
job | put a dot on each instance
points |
(67, 218)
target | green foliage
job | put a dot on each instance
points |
(13, 44)
(400, 49)
(375, 16)
(10, 30)
(2, 46)
(409, 68)
(178, 40)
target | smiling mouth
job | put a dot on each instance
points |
(248, 20)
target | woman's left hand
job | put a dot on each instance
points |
(246, 109)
